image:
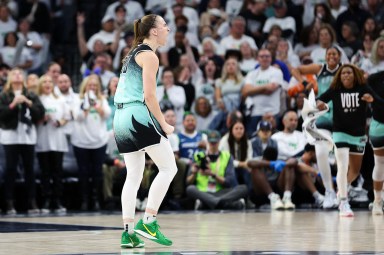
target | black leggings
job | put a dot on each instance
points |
(12, 154)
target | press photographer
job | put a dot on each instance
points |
(212, 181)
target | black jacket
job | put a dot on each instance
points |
(9, 118)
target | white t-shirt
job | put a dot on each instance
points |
(247, 65)
(265, 103)
(289, 144)
(229, 42)
(176, 95)
(286, 23)
(318, 55)
(21, 135)
(370, 68)
(50, 137)
(90, 131)
(6, 27)
(8, 56)
(36, 55)
(71, 99)
(134, 10)
(103, 36)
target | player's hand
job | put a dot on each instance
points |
(367, 98)
(168, 129)
(321, 105)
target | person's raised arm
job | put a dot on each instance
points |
(305, 69)
(80, 34)
(150, 64)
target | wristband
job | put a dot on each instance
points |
(305, 83)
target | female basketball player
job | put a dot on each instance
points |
(140, 128)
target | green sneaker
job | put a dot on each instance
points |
(131, 241)
(152, 232)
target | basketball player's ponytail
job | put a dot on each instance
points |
(141, 28)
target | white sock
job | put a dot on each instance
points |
(287, 194)
(129, 227)
(271, 194)
(377, 194)
(149, 218)
(316, 195)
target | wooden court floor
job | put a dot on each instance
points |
(247, 232)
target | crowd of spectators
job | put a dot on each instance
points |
(225, 82)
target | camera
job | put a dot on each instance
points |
(201, 160)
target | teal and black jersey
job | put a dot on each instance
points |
(324, 80)
(134, 125)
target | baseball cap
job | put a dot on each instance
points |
(264, 125)
(214, 136)
(107, 18)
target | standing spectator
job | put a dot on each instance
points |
(205, 86)
(20, 110)
(51, 145)
(33, 83)
(4, 69)
(64, 89)
(336, 7)
(90, 139)
(102, 68)
(54, 70)
(262, 90)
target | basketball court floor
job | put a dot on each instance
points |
(247, 232)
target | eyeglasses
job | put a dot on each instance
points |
(264, 56)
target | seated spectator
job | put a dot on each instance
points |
(262, 139)
(168, 92)
(223, 120)
(363, 54)
(54, 70)
(350, 38)
(285, 54)
(204, 113)
(308, 41)
(322, 14)
(190, 140)
(228, 87)
(9, 53)
(375, 63)
(237, 36)
(211, 180)
(248, 58)
(214, 16)
(7, 23)
(327, 39)
(205, 86)
(240, 147)
(253, 12)
(135, 10)
(336, 7)
(287, 23)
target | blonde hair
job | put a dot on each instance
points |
(238, 75)
(374, 59)
(8, 85)
(40, 86)
(85, 82)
